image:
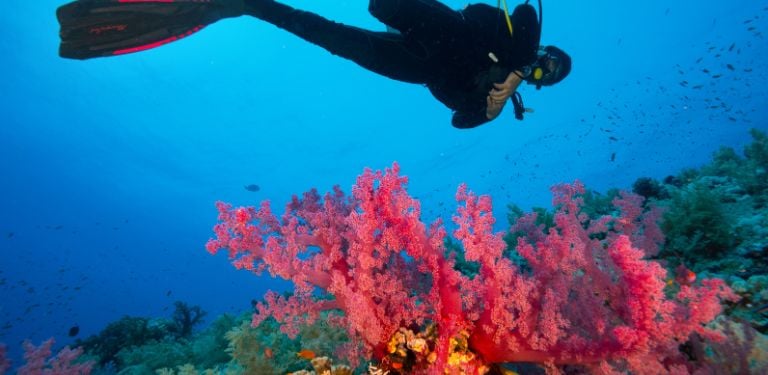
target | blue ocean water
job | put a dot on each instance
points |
(111, 167)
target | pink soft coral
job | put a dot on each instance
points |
(585, 295)
(39, 361)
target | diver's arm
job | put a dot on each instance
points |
(468, 120)
(494, 103)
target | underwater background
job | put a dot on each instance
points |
(111, 167)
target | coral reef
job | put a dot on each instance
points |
(568, 289)
(117, 343)
(588, 297)
(716, 223)
(717, 218)
(229, 345)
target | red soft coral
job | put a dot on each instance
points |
(585, 295)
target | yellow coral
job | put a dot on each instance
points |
(341, 370)
(325, 366)
(458, 359)
(417, 344)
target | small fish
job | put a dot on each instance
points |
(730, 67)
(306, 354)
(717, 76)
(699, 60)
(705, 71)
(10, 235)
(268, 353)
(73, 331)
(168, 293)
(731, 47)
(684, 276)
(613, 156)
(252, 188)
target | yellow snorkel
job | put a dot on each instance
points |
(506, 15)
(503, 3)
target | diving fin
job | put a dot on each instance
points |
(98, 28)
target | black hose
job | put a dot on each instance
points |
(517, 102)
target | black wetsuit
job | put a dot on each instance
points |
(444, 49)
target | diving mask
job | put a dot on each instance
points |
(552, 66)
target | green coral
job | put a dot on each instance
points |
(154, 355)
(205, 350)
(266, 350)
(717, 223)
(322, 337)
(716, 218)
(135, 345)
(696, 224)
(249, 349)
(189, 369)
(650, 189)
(138, 346)
(749, 172)
(209, 347)
(122, 342)
(125, 333)
(185, 318)
(597, 204)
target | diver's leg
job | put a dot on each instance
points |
(418, 18)
(387, 54)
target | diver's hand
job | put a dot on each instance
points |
(502, 91)
(499, 94)
(493, 107)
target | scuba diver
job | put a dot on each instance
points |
(471, 60)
